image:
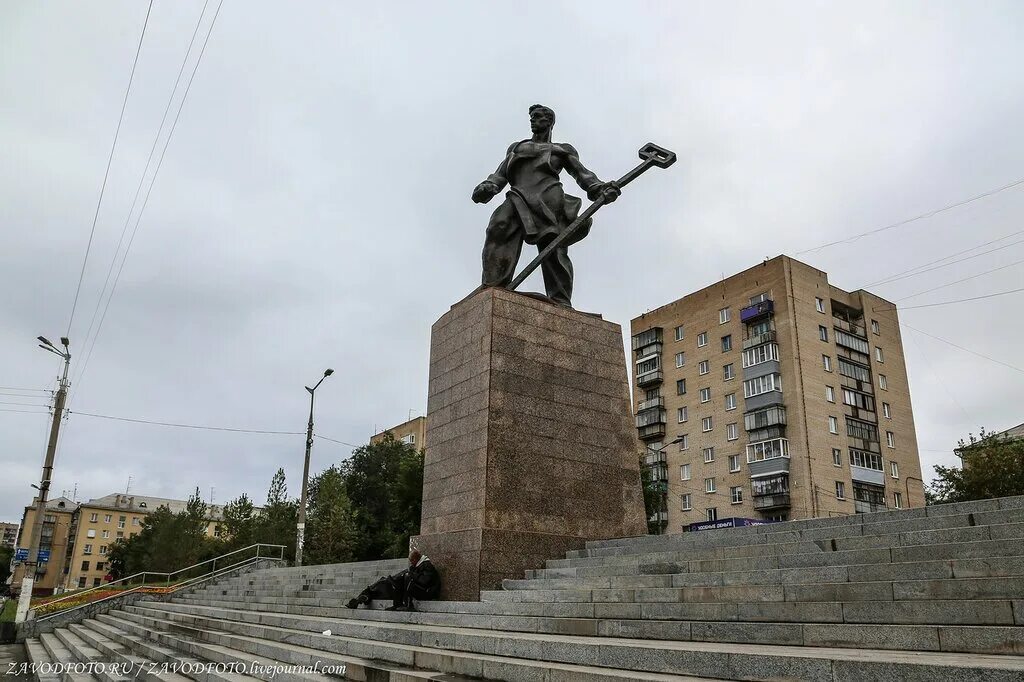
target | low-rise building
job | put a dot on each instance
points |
(412, 432)
(8, 534)
(53, 539)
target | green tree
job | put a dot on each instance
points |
(6, 554)
(240, 523)
(276, 525)
(993, 466)
(331, 534)
(384, 482)
(653, 495)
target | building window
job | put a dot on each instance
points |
(120, 533)
(680, 359)
(100, 565)
(704, 367)
(712, 514)
(682, 415)
(120, 521)
(882, 383)
(705, 395)
(823, 333)
(734, 463)
(767, 449)
(91, 533)
(736, 492)
(833, 425)
(863, 430)
(837, 457)
(103, 549)
(85, 565)
(687, 502)
(819, 304)
(826, 362)
(409, 439)
(732, 431)
(727, 343)
(830, 394)
(684, 472)
(886, 411)
(709, 485)
(81, 582)
(706, 424)
(890, 439)
(684, 442)
(107, 518)
(96, 582)
(106, 534)
(680, 386)
(723, 316)
(94, 517)
(874, 327)
(878, 354)
(758, 354)
(866, 460)
(709, 455)
(135, 521)
(760, 298)
(142, 505)
(87, 549)
(897, 500)
(730, 401)
(679, 333)
(840, 490)
(762, 384)
(702, 339)
(894, 469)
(728, 372)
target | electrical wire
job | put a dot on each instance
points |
(966, 350)
(142, 179)
(961, 300)
(188, 426)
(939, 260)
(944, 265)
(106, 173)
(149, 191)
(922, 216)
(334, 440)
(7, 409)
(965, 279)
(36, 390)
(4, 402)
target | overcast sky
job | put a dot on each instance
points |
(313, 207)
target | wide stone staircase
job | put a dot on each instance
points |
(922, 594)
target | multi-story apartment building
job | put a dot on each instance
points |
(775, 395)
(101, 521)
(413, 432)
(8, 534)
(54, 538)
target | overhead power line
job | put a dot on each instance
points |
(5, 402)
(106, 173)
(922, 216)
(959, 281)
(966, 350)
(188, 426)
(962, 300)
(334, 440)
(897, 278)
(944, 258)
(34, 390)
(8, 409)
(149, 190)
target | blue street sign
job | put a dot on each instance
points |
(21, 554)
(44, 556)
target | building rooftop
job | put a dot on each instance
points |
(147, 503)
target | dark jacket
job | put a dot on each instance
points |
(423, 580)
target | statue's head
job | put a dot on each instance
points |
(542, 119)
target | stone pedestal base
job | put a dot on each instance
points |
(531, 447)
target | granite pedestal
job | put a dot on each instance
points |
(531, 446)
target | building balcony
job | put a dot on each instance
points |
(651, 431)
(650, 404)
(658, 517)
(650, 349)
(865, 475)
(773, 416)
(757, 311)
(850, 327)
(653, 457)
(648, 417)
(647, 337)
(863, 507)
(650, 378)
(770, 502)
(759, 339)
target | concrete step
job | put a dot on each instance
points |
(733, 661)
(362, 623)
(46, 667)
(164, 660)
(903, 541)
(70, 669)
(104, 667)
(865, 520)
(754, 535)
(394, 661)
(133, 666)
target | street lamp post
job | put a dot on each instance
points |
(300, 527)
(32, 564)
(663, 494)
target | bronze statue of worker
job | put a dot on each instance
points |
(536, 209)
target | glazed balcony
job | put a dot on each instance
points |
(657, 415)
(650, 404)
(651, 431)
(771, 502)
(650, 378)
(759, 339)
(757, 311)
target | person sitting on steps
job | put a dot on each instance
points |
(420, 581)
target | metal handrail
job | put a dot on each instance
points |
(167, 576)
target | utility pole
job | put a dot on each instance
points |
(31, 566)
(300, 526)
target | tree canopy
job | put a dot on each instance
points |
(993, 466)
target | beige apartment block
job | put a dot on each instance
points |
(102, 521)
(54, 537)
(8, 534)
(773, 394)
(413, 432)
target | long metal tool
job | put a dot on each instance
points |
(652, 156)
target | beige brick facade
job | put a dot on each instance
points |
(837, 438)
(413, 432)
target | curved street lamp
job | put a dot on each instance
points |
(300, 526)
